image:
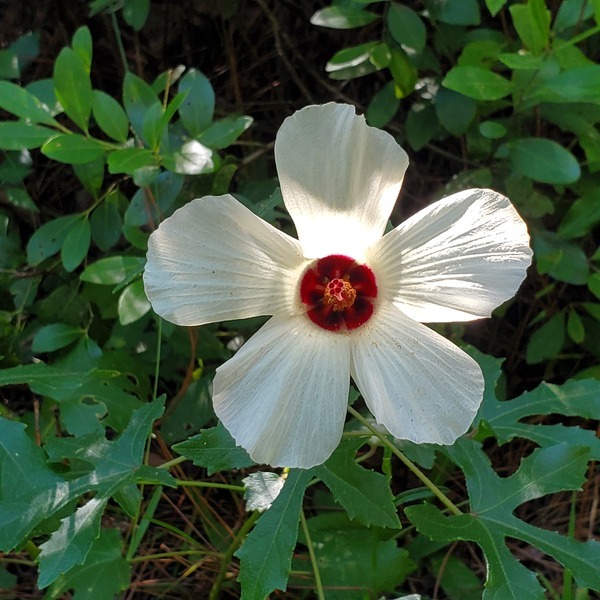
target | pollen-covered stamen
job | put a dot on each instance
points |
(339, 294)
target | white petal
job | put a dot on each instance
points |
(456, 260)
(283, 396)
(215, 260)
(416, 383)
(339, 178)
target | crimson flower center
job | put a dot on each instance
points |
(338, 293)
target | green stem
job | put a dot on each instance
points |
(210, 484)
(172, 463)
(237, 541)
(157, 363)
(417, 472)
(117, 31)
(313, 557)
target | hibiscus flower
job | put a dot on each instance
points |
(346, 301)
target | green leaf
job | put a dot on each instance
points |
(532, 22)
(492, 130)
(116, 464)
(20, 198)
(581, 84)
(138, 98)
(583, 215)
(91, 175)
(104, 574)
(559, 258)
(130, 160)
(112, 270)
(135, 13)
(465, 12)
(215, 450)
(133, 303)
(83, 47)
(70, 544)
(73, 87)
(403, 72)
(15, 135)
(197, 109)
(52, 337)
(224, 132)
(421, 126)
(547, 341)
(454, 111)
(352, 56)
(543, 160)
(355, 562)
(364, 494)
(261, 490)
(342, 17)
(266, 555)
(74, 149)
(491, 519)
(76, 244)
(575, 327)
(494, 6)
(106, 223)
(593, 284)
(49, 238)
(110, 116)
(383, 106)
(477, 83)
(406, 27)
(23, 104)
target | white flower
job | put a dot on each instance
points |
(346, 302)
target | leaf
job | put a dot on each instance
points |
(16, 135)
(138, 98)
(76, 244)
(112, 270)
(266, 555)
(130, 160)
(575, 327)
(559, 258)
(110, 116)
(342, 17)
(224, 132)
(543, 160)
(583, 215)
(135, 13)
(406, 27)
(403, 72)
(116, 464)
(364, 494)
(73, 87)
(91, 175)
(72, 148)
(355, 562)
(352, 56)
(383, 106)
(215, 450)
(465, 12)
(580, 84)
(133, 303)
(532, 22)
(491, 519)
(454, 111)
(83, 47)
(106, 223)
(197, 109)
(261, 490)
(547, 341)
(477, 83)
(23, 104)
(55, 336)
(49, 238)
(579, 398)
(103, 575)
(494, 6)
(70, 544)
